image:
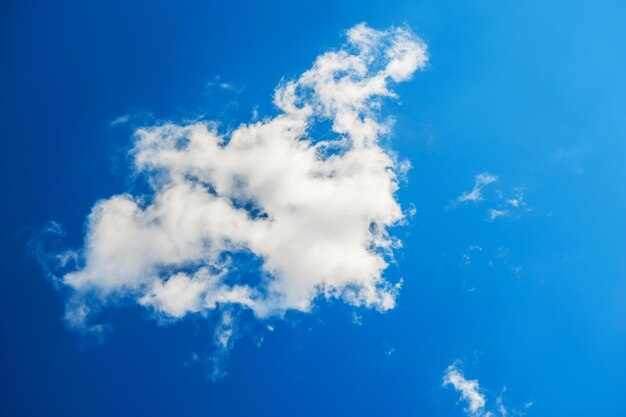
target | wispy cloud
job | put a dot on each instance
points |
(501, 408)
(480, 182)
(133, 117)
(466, 258)
(223, 338)
(571, 157)
(477, 403)
(506, 204)
(493, 214)
(217, 82)
(469, 389)
(313, 212)
(120, 120)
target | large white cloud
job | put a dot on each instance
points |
(315, 211)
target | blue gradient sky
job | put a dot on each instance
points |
(533, 92)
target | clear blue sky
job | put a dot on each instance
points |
(530, 304)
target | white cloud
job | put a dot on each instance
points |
(505, 204)
(501, 408)
(314, 211)
(217, 82)
(493, 214)
(357, 319)
(223, 337)
(469, 389)
(120, 120)
(474, 396)
(517, 201)
(480, 182)
(134, 117)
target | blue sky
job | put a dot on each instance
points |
(530, 304)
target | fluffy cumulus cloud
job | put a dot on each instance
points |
(314, 211)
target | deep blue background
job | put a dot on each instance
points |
(533, 91)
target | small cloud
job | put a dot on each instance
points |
(357, 319)
(513, 202)
(517, 200)
(469, 389)
(495, 213)
(480, 182)
(501, 408)
(411, 211)
(224, 333)
(474, 396)
(134, 116)
(120, 120)
(223, 337)
(510, 204)
(502, 255)
(218, 83)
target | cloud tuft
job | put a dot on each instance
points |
(469, 389)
